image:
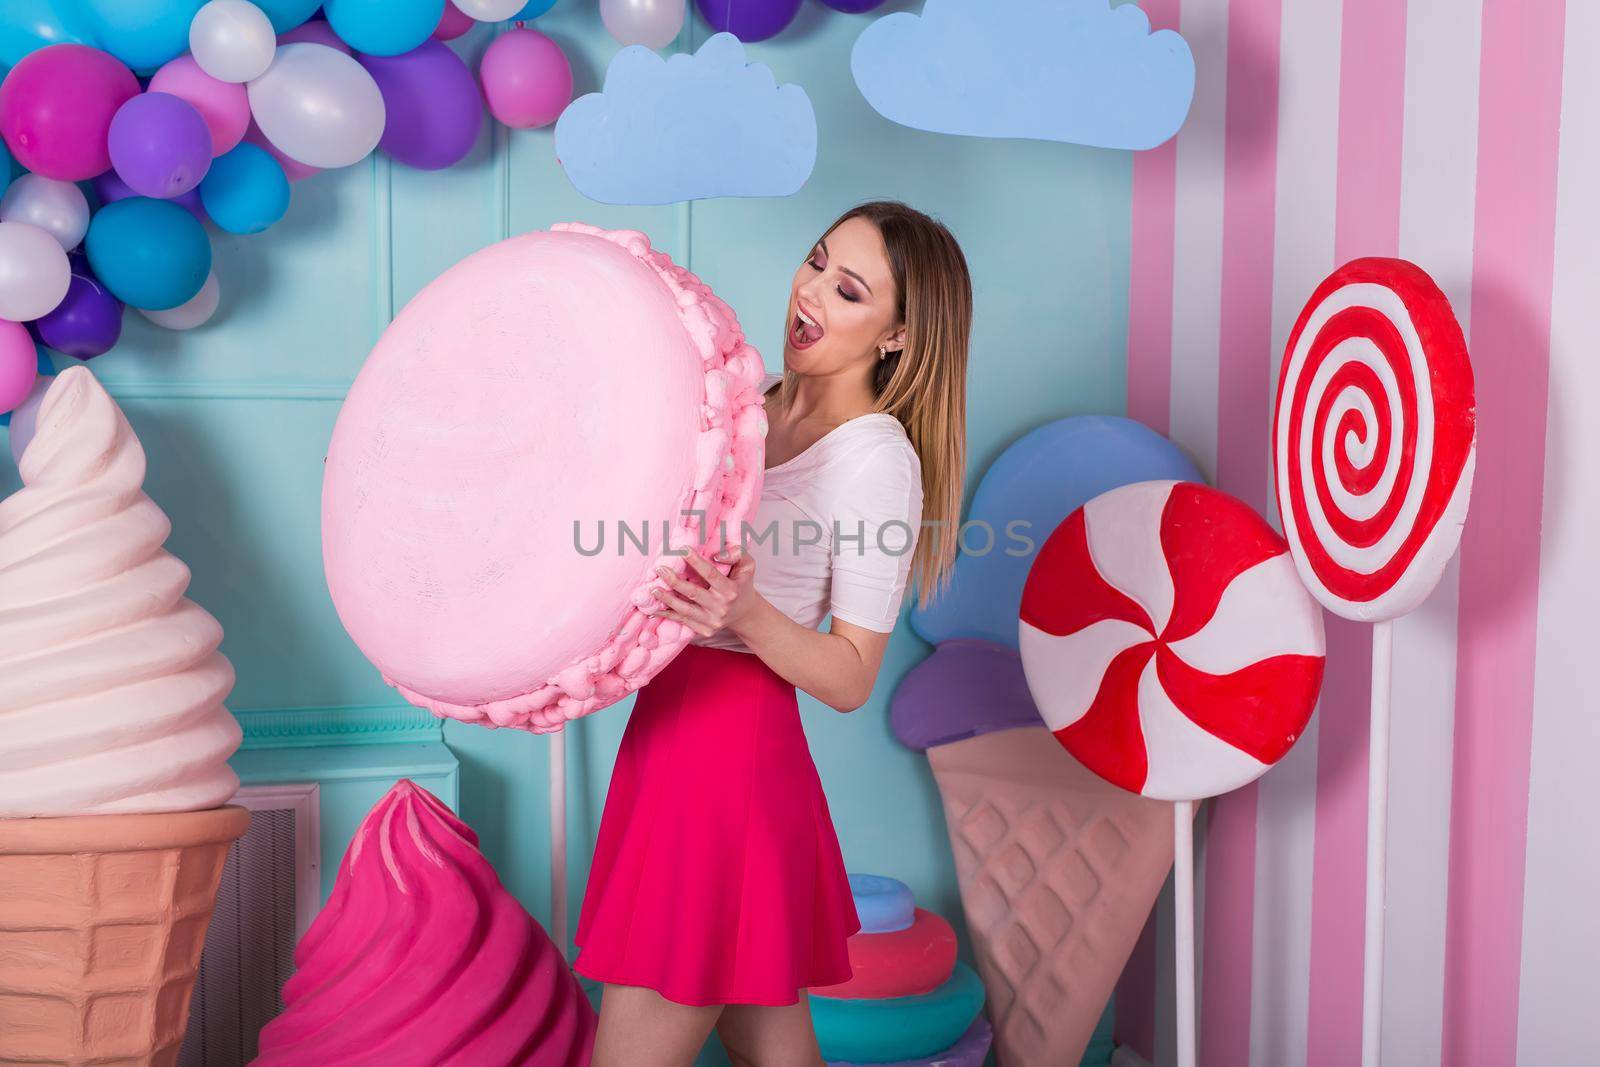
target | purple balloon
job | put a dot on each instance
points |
(88, 320)
(853, 7)
(110, 188)
(160, 145)
(749, 20)
(433, 106)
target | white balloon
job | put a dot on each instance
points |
(34, 272)
(59, 208)
(232, 40)
(196, 311)
(25, 417)
(652, 23)
(318, 106)
(490, 10)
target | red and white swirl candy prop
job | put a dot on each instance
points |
(1374, 439)
(1168, 642)
(1171, 648)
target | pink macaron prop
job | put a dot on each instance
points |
(1374, 441)
(1172, 649)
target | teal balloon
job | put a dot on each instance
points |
(29, 25)
(285, 15)
(245, 191)
(142, 33)
(533, 9)
(383, 27)
(151, 254)
(8, 170)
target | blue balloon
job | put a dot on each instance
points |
(285, 15)
(151, 254)
(246, 190)
(28, 25)
(383, 27)
(142, 33)
(533, 9)
(7, 171)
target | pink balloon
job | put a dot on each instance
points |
(453, 23)
(527, 80)
(293, 169)
(19, 364)
(314, 32)
(56, 107)
(224, 105)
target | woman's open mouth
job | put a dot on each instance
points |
(804, 331)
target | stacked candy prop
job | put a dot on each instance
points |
(1172, 649)
(909, 1002)
(1374, 442)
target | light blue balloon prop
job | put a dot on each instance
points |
(142, 33)
(533, 9)
(151, 254)
(1037, 482)
(29, 25)
(46, 368)
(285, 15)
(383, 27)
(246, 190)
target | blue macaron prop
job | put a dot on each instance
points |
(898, 1028)
(884, 905)
(971, 1051)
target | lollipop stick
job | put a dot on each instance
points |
(1377, 841)
(1183, 898)
(558, 840)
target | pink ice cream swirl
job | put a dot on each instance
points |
(111, 684)
(421, 958)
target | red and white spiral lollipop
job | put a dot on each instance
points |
(1167, 641)
(1374, 439)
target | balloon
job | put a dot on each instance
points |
(285, 15)
(224, 105)
(384, 27)
(314, 32)
(490, 10)
(453, 23)
(142, 33)
(34, 274)
(533, 9)
(18, 364)
(6, 167)
(29, 25)
(232, 40)
(160, 145)
(433, 107)
(59, 208)
(318, 106)
(293, 169)
(150, 253)
(853, 7)
(527, 80)
(56, 108)
(749, 20)
(88, 321)
(26, 416)
(246, 190)
(191, 313)
(110, 188)
(652, 23)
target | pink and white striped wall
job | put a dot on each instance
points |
(1463, 135)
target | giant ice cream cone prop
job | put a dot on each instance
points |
(423, 959)
(113, 751)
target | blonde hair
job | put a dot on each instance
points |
(924, 385)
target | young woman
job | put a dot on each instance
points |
(718, 892)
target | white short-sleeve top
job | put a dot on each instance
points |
(836, 527)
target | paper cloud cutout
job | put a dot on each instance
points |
(1078, 71)
(687, 128)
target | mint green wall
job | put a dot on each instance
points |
(236, 416)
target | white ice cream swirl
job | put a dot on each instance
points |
(111, 682)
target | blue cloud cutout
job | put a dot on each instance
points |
(1079, 71)
(687, 128)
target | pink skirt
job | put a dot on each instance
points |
(717, 877)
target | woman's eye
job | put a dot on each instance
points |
(813, 264)
(848, 296)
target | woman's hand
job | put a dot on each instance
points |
(716, 601)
